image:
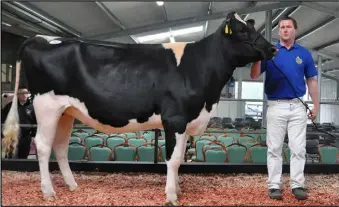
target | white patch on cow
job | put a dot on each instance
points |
(50, 39)
(199, 125)
(239, 18)
(178, 49)
(78, 110)
(132, 121)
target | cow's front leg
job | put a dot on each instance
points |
(173, 164)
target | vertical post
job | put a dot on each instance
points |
(268, 36)
(320, 61)
(337, 90)
(240, 105)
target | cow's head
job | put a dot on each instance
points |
(242, 39)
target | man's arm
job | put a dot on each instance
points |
(257, 69)
(312, 84)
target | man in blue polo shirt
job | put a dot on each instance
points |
(285, 113)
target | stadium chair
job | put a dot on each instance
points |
(236, 153)
(75, 139)
(246, 139)
(103, 135)
(93, 140)
(76, 151)
(258, 153)
(115, 140)
(145, 153)
(130, 134)
(100, 152)
(82, 135)
(90, 131)
(198, 149)
(214, 152)
(148, 136)
(208, 136)
(136, 141)
(226, 139)
(124, 152)
(161, 141)
(286, 153)
(328, 154)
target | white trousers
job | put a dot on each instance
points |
(286, 117)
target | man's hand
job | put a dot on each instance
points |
(313, 114)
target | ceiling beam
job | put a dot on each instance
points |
(329, 70)
(332, 57)
(292, 12)
(321, 8)
(45, 18)
(33, 20)
(113, 18)
(316, 28)
(329, 77)
(36, 28)
(164, 12)
(250, 4)
(191, 20)
(275, 18)
(209, 11)
(328, 44)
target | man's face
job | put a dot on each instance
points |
(22, 95)
(286, 30)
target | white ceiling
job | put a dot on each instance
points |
(126, 21)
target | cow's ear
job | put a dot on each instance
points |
(228, 29)
(251, 21)
(231, 15)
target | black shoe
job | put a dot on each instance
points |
(299, 193)
(275, 194)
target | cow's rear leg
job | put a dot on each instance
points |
(60, 147)
(48, 112)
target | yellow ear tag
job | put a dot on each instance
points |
(228, 30)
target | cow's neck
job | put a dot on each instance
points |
(205, 70)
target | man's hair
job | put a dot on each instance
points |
(290, 18)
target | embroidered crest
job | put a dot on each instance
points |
(298, 60)
(28, 111)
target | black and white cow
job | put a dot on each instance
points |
(118, 88)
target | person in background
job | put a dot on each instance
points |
(26, 116)
(285, 113)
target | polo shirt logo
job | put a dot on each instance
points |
(298, 60)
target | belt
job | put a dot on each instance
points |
(294, 100)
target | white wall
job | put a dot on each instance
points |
(244, 74)
(328, 89)
(233, 109)
(329, 113)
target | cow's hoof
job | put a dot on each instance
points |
(50, 197)
(172, 203)
(178, 192)
(73, 188)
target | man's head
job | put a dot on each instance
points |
(22, 95)
(287, 29)
(249, 44)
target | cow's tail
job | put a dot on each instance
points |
(11, 126)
